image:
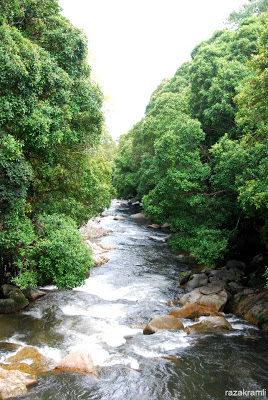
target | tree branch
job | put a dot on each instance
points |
(215, 193)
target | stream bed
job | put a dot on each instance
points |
(106, 316)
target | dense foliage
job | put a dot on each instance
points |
(199, 157)
(53, 175)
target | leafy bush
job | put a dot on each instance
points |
(57, 255)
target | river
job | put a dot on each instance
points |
(105, 317)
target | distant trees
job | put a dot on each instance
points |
(199, 157)
(50, 124)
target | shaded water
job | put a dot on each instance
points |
(105, 317)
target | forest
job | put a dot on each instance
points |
(54, 149)
(198, 160)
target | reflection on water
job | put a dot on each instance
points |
(106, 315)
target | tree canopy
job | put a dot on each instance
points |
(198, 159)
(52, 176)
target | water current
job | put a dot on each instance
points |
(105, 317)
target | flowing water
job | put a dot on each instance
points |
(105, 317)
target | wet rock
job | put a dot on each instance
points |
(138, 216)
(33, 293)
(165, 226)
(32, 358)
(167, 322)
(106, 214)
(8, 347)
(137, 203)
(184, 277)
(14, 383)
(157, 239)
(236, 264)
(93, 230)
(223, 275)
(99, 250)
(251, 305)
(197, 281)
(210, 323)
(234, 287)
(192, 311)
(79, 361)
(154, 226)
(14, 301)
(213, 296)
(212, 288)
(172, 303)
(119, 218)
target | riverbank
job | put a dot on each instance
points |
(247, 302)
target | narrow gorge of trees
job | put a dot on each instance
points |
(199, 158)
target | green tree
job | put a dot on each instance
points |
(198, 159)
(50, 128)
(253, 7)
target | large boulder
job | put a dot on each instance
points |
(223, 275)
(93, 230)
(33, 293)
(236, 264)
(210, 323)
(99, 251)
(252, 305)
(192, 311)
(14, 383)
(197, 281)
(167, 322)
(14, 300)
(138, 216)
(234, 287)
(79, 361)
(30, 360)
(213, 296)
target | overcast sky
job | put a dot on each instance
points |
(135, 44)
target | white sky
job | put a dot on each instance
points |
(135, 44)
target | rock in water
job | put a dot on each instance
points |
(14, 301)
(14, 383)
(184, 277)
(119, 218)
(138, 216)
(33, 293)
(93, 230)
(197, 281)
(163, 322)
(165, 226)
(210, 323)
(79, 361)
(252, 305)
(212, 295)
(192, 311)
(38, 362)
(154, 226)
